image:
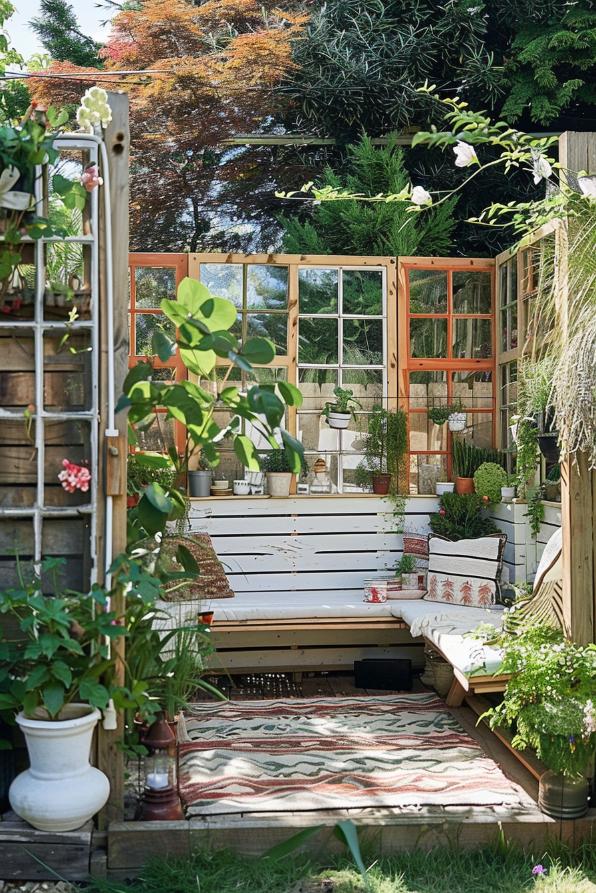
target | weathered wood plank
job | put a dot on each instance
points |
(288, 660)
(326, 505)
(18, 464)
(28, 854)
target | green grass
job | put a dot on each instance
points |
(492, 870)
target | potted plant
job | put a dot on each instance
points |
(451, 413)
(489, 478)
(339, 413)
(278, 472)
(199, 481)
(464, 465)
(536, 386)
(549, 700)
(385, 444)
(145, 468)
(462, 516)
(405, 570)
(444, 487)
(457, 419)
(55, 682)
(508, 488)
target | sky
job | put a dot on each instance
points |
(25, 40)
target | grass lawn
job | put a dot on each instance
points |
(497, 870)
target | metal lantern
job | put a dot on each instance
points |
(160, 798)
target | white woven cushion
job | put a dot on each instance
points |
(465, 572)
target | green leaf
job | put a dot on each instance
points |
(95, 694)
(346, 830)
(152, 519)
(62, 673)
(293, 843)
(152, 460)
(258, 350)
(158, 499)
(246, 452)
(187, 560)
(53, 698)
(141, 372)
(290, 393)
(162, 345)
(294, 451)
(263, 401)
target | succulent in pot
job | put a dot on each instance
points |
(339, 413)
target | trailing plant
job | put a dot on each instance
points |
(528, 455)
(549, 698)
(385, 445)
(462, 516)
(535, 512)
(405, 565)
(344, 402)
(488, 480)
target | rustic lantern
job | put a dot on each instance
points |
(160, 797)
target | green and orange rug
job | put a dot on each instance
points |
(335, 753)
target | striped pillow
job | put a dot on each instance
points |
(466, 572)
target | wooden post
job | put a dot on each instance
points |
(117, 139)
(577, 152)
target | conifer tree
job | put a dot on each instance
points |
(59, 31)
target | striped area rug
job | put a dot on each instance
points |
(335, 753)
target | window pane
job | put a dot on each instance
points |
(316, 386)
(159, 437)
(481, 424)
(363, 342)
(331, 463)
(472, 338)
(269, 374)
(153, 284)
(425, 471)
(146, 324)
(315, 433)
(223, 281)
(471, 292)
(428, 291)
(317, 341)
(270, 325)
(267, 287)
(474, 389)
(317, 291)
(365, 384)
(363, 292)
(428, 337)
(425, 435)
(63, 440)
(427, 389)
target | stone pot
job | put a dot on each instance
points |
(279, 483)
(444, 487)
(457, 421)
(562, 797)
(61, 790)
(338, 419)
(381, 482)
(464, 485)
(199, 483)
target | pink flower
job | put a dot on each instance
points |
(90, 178)
(538, 870)
(74, 477)
(442, 511)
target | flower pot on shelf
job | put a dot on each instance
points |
(464, 485)
(549, 446)
(61, 790)
(381, 482)
(279, 483)
(457, 421)
(199, 483)
(563, 797)
(444, 487)
(507, 494)
(339, 419)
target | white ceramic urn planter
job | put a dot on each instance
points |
(61, 790)
(457, 421)
(338, 419)
(444, 487)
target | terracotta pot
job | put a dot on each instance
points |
(132, 501)
(464, 485)
(206, 618)
(381, 483)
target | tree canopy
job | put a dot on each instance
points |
(58, 30)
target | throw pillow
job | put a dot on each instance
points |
(211, 582)
(466, 572)
(416, 544)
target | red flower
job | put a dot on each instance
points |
(442, 511)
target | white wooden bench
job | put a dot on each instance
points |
(314, 552)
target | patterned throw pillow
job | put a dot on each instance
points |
(465, 572)
(211, 582)
(416, 544)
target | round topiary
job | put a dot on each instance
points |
(488, 480)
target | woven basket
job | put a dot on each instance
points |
(442, 677)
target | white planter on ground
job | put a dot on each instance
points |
(507, 493)
(339, 419)
(457, 421)
(61, 790)
(444, 487)
(279, 483)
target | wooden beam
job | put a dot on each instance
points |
(117, 139)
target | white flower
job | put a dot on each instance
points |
(587, 186)
(541, 167)
(420, 196)
(465, 154)
(94, 109)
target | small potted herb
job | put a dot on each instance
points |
(508, 488)
(339, 413)
(279, 472)
(405, 570)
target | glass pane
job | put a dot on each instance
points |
(425, 471)
(363, 342)
(272, 326)
(317, 291)
(428, 337)
(68, 539)
(153, 284)
(269, 374)
(425, 435)
(67, 373)
(16, 539)
(428, 291)
(471, 292)
(317, 341)
(504, 327)
(69, 165)
(474, 389)
(316, 386)
(267, 287)
(160, 437)
(315, 433)
(65, 440)
(365, 384)
(472, 338)
(146, 324)
(503, 285)
(332, 471)
(223, 281)
(68, 289)
(363, 292)
(427, 389)
(512, 326)
(481, 424)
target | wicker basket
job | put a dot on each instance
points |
(442, 677)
